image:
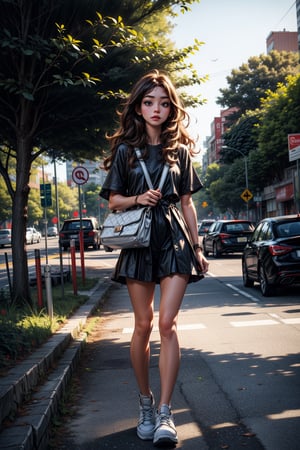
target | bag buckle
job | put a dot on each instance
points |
(118, 229)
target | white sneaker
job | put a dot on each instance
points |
(165, 431)
(146, 424)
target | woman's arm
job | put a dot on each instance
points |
(118, 202)
(190, 216)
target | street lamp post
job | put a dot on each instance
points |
(246, 169)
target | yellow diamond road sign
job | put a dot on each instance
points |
(246, 195)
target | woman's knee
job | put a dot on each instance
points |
(167, 326)
(144, 327)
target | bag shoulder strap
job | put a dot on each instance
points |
(146, 173)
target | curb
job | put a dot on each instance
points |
(44, 377)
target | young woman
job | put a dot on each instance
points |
(153, 119)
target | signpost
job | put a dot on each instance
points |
(80, 176)
(294, 155)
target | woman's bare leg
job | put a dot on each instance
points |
(142, 297)
(172, 292)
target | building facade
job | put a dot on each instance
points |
(282, 41)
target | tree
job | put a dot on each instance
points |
(268, 95)
(226, 190)
(51, 51)
(280, 116)
(241, 136)
(249, 84)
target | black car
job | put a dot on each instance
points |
(272, 255)
(227, 236)
(70, 230)
(204, 225)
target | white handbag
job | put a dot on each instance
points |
(131, 228)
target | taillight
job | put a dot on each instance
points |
(277, 250)
(224, 236)
(91, 233)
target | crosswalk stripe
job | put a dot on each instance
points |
(236, 324)
(190, 326)
(292, 321)
(254, 323)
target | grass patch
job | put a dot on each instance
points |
(22, 330)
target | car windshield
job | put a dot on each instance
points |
(288, 229)
(236, 227)
(4, 232)
(86, 224)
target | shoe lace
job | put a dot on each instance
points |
(166, 419)
(146, 414)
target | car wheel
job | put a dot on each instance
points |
(205, 252)
(216, 252)
(246, 280)
(266, 289)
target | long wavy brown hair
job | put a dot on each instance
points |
(132, 130)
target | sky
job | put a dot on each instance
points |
(232, 32)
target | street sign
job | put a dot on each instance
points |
(246, 195)
(294, 146)
(80, 175)
(45, 195)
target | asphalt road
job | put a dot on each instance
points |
(239, 382)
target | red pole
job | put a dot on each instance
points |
(81, 248)
(38, 272)
(73, 264)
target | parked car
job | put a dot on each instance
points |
(52, 231)
(227, 236)
(70, 230)
(32, 235)
(5, 237)
(204, 225)
(272, 255)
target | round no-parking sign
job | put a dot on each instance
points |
(80, 175)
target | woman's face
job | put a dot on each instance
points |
(155, 107)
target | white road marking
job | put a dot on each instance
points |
(254, 323)
(292, 321)
(236, 324)
(190, 326)
(245, 294)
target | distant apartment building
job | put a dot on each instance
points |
(218, 127)
(282, 41)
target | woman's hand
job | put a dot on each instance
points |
(202, 261)
(149, 198)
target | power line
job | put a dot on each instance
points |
(292, 5)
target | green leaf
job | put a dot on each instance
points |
(28, 96)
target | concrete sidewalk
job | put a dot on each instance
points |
(31, 391)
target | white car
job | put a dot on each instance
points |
(32, 235)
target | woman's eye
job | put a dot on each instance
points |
(166, 104)
(147, 103)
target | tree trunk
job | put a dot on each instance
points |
(21, 291)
